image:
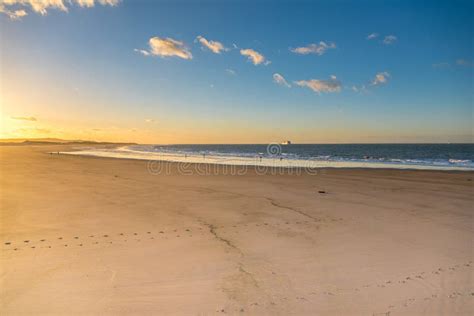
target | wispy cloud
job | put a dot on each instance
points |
(318, 49)
(360, 89)
(231, 71)
(321, 86)
(255, 57)
(214, 46)
(142, 51)
(389, 39)
(372, 36)
(380, 78)
(166, 47)
(24, 118)
(42, 6)
(36, 130)
(464, 63)
(356, 89)
(279, 79)
(13, 14)
(149, 120)
(459, 62)
(441, 65)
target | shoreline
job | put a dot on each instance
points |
(271, 163)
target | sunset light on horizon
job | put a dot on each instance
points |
(220, 72)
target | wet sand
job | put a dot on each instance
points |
(84, 235)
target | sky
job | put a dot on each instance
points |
(237, 71)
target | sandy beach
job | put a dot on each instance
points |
(104, 236)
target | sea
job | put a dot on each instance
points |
(395, 156)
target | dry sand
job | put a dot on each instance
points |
(82, 235)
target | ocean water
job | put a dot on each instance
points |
(399, 156)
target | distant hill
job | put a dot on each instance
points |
(53, 141)
(21, 140)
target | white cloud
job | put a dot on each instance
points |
(231, 71)
(85, 3)
(42, 6)
(317, 49)
(372, 36)
(279, 79)
(214, 46)
(166, 47)
(321, 86)
(380, 78)
(24, 118)
(389, 39)
(149, 120)
(255, 57)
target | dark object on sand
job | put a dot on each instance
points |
(322, 192)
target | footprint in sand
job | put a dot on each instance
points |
(8, 243)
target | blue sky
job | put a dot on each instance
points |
(79, 74)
